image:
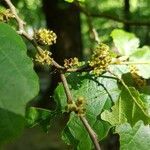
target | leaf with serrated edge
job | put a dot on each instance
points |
(116, 116)
(97, 98)
(134, 138)
(127, 108)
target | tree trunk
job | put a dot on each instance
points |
(127, 14)
(64, 19)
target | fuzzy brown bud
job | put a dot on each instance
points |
(72, 62)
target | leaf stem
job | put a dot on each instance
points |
(133, 63)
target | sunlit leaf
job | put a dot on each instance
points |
(128, 109)
(126, 43)
(134, 138)
(142, 58)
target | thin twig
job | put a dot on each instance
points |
(95, 33)
(91, 132)
(21, 23)
(58, 66)
(66, 88)
(92, 30)
(27, 36)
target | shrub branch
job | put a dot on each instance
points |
(22, 31)
(91, 132)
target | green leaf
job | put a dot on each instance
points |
(74, 131)
(18, 83)
(95, 90)
(119, 70)
(142, 55)
(71, 1)
(126, 43)
(136, 138)
(97, 99)
(101, 128)
(115, 117)
(38, 116)
(127, 108)
(145, 96)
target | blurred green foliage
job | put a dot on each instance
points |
(115, 8)
(31, 11)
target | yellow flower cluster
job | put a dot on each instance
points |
(43, 57)
(72, 62)
(138, 81)
(101, 59)
(6, 15)
(78, 107)
(45, 37)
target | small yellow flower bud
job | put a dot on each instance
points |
(80, 101)
(72, 62)
(77, 107)
(72, 107)
(6, 15)
(43, 57)
(81, 111)
(133, 69)
(45, 37)
(101, 59)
